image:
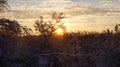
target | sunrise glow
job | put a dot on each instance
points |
(80, 15)
(59, 31)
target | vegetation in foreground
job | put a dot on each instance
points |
(18, 48)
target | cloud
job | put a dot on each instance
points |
(112, 5)
(107, 3)
(80, 14)
(69, 7)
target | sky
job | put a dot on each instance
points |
(80, 15)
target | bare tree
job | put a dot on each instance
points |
(4, 5)
(117, 28)
(9, 40)
(47, 28)
(9, 27)
(27, 31)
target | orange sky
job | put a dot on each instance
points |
(81, 15)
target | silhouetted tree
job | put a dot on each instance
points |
(47, 28)
(4, 5)
(117, 28)
(27, 31)
(10, 27)
(9, 40)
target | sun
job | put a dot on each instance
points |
(59, 31)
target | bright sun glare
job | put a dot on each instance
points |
(59, 31)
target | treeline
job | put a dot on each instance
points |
(77, 49)
(73, 49)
